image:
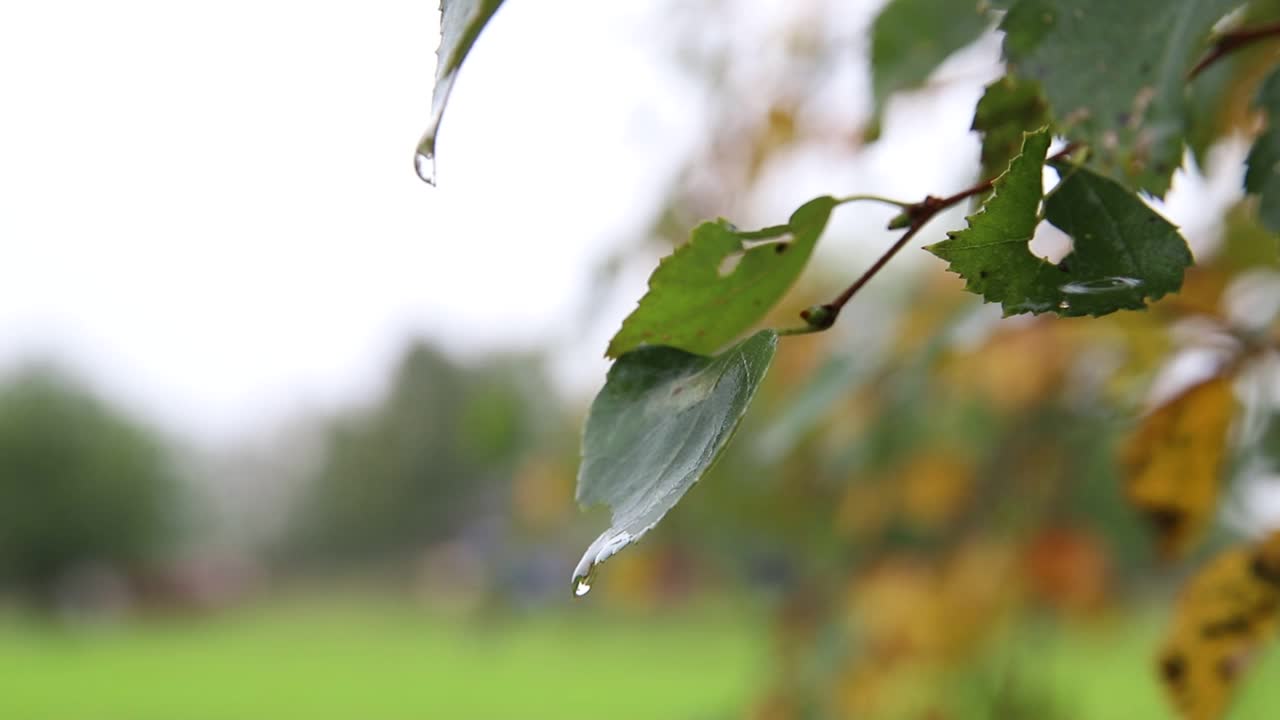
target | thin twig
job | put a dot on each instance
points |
(914, 217)
(1231, 41)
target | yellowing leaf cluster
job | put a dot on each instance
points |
(916, 619)
(1173, 463)
(929, 491)
(1222, 620)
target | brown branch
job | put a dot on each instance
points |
(1231, 41)
(914, 217)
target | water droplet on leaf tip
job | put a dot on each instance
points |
(425, 165)
(581, 587)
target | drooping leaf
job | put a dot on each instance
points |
(1173, 463)
(1263, 176)
(1115, 75)
(715, 287)
(910, 38)
(662, 419)
(1222, 620)
(460, 24)
(1009, 107)
(1123, 252)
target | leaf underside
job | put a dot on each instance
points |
(1008, 108)
(1123, 252)
(661, 420)
(1115, 75)
(910, 38)
(697, 302)
(460, 24)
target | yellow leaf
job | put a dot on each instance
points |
(1173, 463)
(1225, 614)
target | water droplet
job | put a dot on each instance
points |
(606, 545)
(1100, 286)
(1064, 305)
(424, 159)
(582, 576)
(425, 165)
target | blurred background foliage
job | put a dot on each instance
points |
(923, 517)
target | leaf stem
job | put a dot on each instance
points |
(801, 330)
(1231, 41)
(872, 198)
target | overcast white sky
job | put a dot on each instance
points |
(210, 210)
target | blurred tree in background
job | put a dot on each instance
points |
(426, 462)
(81, 484)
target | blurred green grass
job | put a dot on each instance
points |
(1107, 670)
(384, 660)
(373, 658)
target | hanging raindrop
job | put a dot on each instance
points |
(600, 550)
(425, 165)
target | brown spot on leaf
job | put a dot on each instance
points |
(1264, 570)
(1168, 521)
(1173, 668)
(1230, 626)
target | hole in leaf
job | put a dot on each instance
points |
(1050, 243)
(729, 264)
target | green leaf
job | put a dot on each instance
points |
(699, 300)
(1263, 176)
(662, 419)
(1115, 75)
(1009, 107)
(1123, 252)
(912, 37)
(460, 24)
